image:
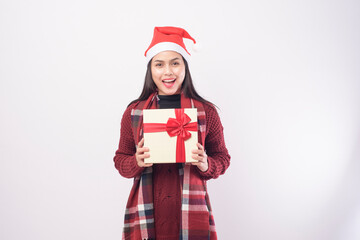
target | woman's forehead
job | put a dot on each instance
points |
(167, 56)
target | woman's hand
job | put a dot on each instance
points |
(200, 155)
(141, 154)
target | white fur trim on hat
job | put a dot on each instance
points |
(166, 46)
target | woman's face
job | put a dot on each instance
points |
(168, 72)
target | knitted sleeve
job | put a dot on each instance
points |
(125, 161)
(218, 156)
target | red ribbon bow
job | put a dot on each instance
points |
(179, 126)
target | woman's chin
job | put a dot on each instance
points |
(169, 92)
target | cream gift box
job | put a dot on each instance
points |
(170, 134)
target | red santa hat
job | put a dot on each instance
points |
(168, 39)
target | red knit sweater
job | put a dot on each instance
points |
(167, 195)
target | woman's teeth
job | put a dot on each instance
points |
(168, 81)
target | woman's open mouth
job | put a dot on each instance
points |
(169, 82)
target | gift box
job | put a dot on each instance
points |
(170, 134)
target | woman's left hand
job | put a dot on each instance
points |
(200, 155)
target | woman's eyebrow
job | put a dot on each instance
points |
(158, 60)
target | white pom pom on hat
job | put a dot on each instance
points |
(197, 47)
(170, 38)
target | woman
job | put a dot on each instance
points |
(170, 201)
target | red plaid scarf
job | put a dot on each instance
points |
(197, 221)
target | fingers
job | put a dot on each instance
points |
(198, 158)
(142, 164)
(197, 151)
(140, 160)
(141, 143)
(200, 150)
(144, 155)
(203, 166)
(196, 163)
(141, 148)
(199, 154)
(141, 154)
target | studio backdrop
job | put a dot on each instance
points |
(284, 74)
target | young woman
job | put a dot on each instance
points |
(170, 201)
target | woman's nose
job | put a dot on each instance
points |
(168, 70)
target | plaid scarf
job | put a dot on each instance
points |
(197, 221)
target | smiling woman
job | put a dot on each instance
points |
(168, 72)
(170, 201)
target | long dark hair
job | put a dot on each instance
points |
(187, 86)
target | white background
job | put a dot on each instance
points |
(285, 75)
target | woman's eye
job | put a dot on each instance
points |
(176, 63)
(158, 65)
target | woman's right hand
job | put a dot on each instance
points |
(141, 154)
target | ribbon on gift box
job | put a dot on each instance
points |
(179, 126)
